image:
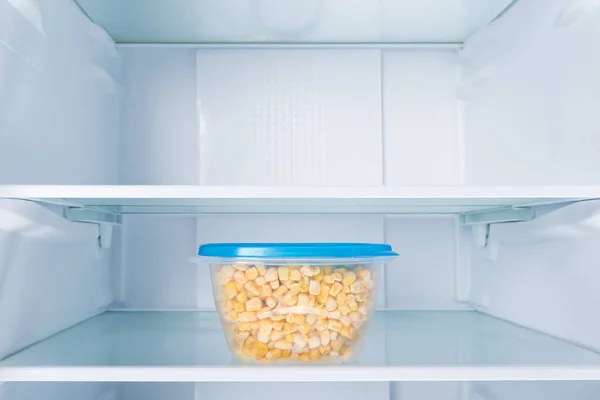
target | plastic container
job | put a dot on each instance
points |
(295, 302)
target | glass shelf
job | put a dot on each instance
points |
(292, 21)
(400, 346)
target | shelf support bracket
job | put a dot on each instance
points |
(106, 221)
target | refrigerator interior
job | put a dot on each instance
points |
(326, 106)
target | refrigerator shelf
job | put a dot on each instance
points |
(188, 346)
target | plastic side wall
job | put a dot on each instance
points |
(53, 274)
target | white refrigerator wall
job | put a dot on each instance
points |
(530, 90)
(58, 96)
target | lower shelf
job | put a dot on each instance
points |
(401, 346)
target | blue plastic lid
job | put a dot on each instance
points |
(296, 250)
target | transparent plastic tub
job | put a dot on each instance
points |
(295, 302)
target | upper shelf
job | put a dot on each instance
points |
(399, 346)
(292, 21)
(127, 199)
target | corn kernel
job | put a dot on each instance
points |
(251, 273)
(278, 317)
(295, 289)
(314, 342)
(328, 279)
(334, 314)
(232, 315)
(239, 307)
(344, 309)
(265, 291)
(230, 291)
(305, 327)
(330, 304)
(337, 276)
(325, 349)
(289, 318)
(336, 288)
(322, 297)
(345, 332)
(364, 274)
(260, 281)
(241, 267)
(302, 300)
(260, 350)
(263, 337)
(312, 300)
(280, 291)
(314, 288)
(304, 288)
(241, 297)
(333, 335)
(243, 326)
(254, 327)
(286, 353)
(336, 345)
(347, 289)
(240, 277)
(261, 269)
(306, 270)
(225, 274)
(242, 336)
(341, 298)
(369, 285)
(274, 285)
(252, 289)
(254, 304)
(289, 337)
(348, 278)
(305, 357)
(270, 302)
(239, 286)
(271, 274)
(277, 335)
(325, 338)
(277, 325)
(295, 275)
(357, 287)
(289, 328)
(341, 271)
(299, 341)
(299, 318)
(315, 354)
(353, 305)
(311, 319)
(335, 325)
(288, 300)
(317, 278)
(273, 355)
(321, 325)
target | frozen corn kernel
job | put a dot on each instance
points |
(357, 287)
(302, 300)
(241, 267)
(252, 290)
(260, 281)
(277, 325)
(295, 275)
(333, 335)
(289, 337)
(265, 291)
(240, 277)
(311, 319)
(243, 326)
(346, 289)
(274, 285)
(312, 300)
(341, 298)
(306, 270)
(364, 274)
(274, 354)
(304, 357)
(280, 291)
(239, 307)
(289, 327)
(284, 273)
(251, 273)
(315, 355)
(261, 269)
(348, 278)
(270, 302)
(305, 327)
(325, 349)
(288, 300)
(264, 313)
(243, 335)
(304, 288)
(328, 279)
(324, 337)
(334, 325)
(271, 274)
(314, 342)
(241, 297)
(321, 325)
(337, 276)
(335, 314)
(299, 341)
(254, 304)
(345, 332)
(230, 290)
(344, 309)
(314, 288)
(225, 274)
(295, 288)
(369, 285)
(336, 288)
(324, 294)
(330, 304)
